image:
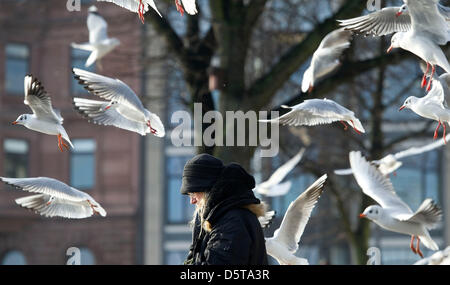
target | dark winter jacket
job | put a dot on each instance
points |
(236, 236)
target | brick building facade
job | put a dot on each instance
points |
(35, 37)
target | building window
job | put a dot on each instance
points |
(175, 257)
(82, 164)
(14, 257)
(418, 179)
(179, 210)
(79, 58)
(87, 257)
(16, 158)
(16, 67)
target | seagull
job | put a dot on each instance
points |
(284, 243)
(432, 106)
(326, 58)
(420, 27)
(123, 108)
(99, 44)
(136, 6)
(44, 119)
(393, 214)
(272, 186)
(316, 112)
(55, 198)
(391, 163)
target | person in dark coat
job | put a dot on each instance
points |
(226, 229)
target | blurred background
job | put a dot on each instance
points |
(234, 55)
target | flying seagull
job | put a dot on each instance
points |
(284, 243)
(314, 112)
(55, 198)
(326, 58)
(99, 43)
(272, 186)
(123, 109)
(420, 27)
(391, 163)
(392, 213)
(44, 119)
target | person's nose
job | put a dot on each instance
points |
(193, 200)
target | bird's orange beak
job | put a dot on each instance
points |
(402, 107)
(107, 108)
(14, 123)
(389, 49)
(362, 216)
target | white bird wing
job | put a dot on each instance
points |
(37, 98)
(94, 111)
(308, 79)
(98, 28)
(109, 89)
(326, 58)
(58, 207)
(47, 186)
(426, 18)
(297, 216)
(419, 150)
(274, 190)
(313, 112)
(284, 170)
(436, 94)
(133, 5)
(190, 6)
(347, 171)
(376, 185)
(336, 39)
(379, 23)
(428, 214)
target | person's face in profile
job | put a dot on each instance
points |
(196, 197)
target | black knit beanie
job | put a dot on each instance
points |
(200, 173)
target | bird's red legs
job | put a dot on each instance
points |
(424, 79)
(179, 7)
(418, 248)
(433, 70)
(61, 143)
(445, 129)
(141, 11)
(345, 126)
(152, 130)
(358, 132)
(437, 130)
(412, 245)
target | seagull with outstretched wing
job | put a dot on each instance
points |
(273, 186)
(99, 43)
(44, 119)
(314, 112)
(392, 213)
(326, 58)
(284, 243)
(55, 198)
(122, 109)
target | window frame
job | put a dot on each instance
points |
(28, 154)
(28, 61)
(73, 153)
